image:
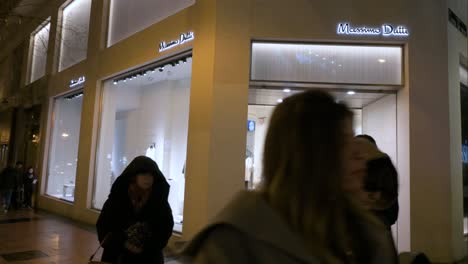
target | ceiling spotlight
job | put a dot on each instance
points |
(65, 135)
(382, 60)
(125, 80)
(161, 69)
(287, 90)
(279, 100)
(339, 65)
(332, 62)
(324, 58)
(316, 55)
(351, 93)
(153, 70)
(115, 82)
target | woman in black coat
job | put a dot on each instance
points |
(136, 221)
(30, 181)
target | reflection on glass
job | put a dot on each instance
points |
(75, 29)
(40, 43)
(146, 115)
(63, 155)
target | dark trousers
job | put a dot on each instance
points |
(28, 194)
(6, 197)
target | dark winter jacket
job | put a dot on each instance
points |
(9, 179)
(118, 220)
(29, 180)
(249, 230)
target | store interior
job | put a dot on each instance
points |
(63, 152)
(146, 113)
(374, 114)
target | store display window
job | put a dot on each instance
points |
(146, 112)
(123, 22)
(64, 142)
(74, 30)
(38, 51)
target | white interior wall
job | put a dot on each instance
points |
(379, 121)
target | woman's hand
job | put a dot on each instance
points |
(132, 248)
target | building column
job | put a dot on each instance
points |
(218, 110)
(434, 138)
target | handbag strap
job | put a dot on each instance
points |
(99, 247)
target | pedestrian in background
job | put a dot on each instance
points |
(18, 192)
(136, 221)
(304, 212)
(30, 181)
(380, 186)
(8, 183)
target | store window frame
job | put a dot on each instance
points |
(51, 126)
(160, 62)
(337, 85)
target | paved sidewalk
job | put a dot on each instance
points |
(29, 237)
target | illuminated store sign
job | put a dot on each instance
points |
(76, 82)
(385, 30)
(185, 37)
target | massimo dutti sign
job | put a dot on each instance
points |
(386, 30)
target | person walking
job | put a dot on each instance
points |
(18, 192)
(380, 186)
(30, 181)
(136, 221)
(304, 212)
(8, 183)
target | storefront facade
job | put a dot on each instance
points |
(180, 88)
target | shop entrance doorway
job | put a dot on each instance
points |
(364, 77)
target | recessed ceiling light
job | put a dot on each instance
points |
(332, 62)
(287, 90)
(351, 92)
(382, 60)
(339, 65)
(316, 55)
(65, 135)
(279, 100)
(324, 58)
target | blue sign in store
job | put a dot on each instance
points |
(465, 153)
(250, 125)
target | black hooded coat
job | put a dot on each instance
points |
(118, 215)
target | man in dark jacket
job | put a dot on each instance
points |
(17, 197)
(8, 183)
